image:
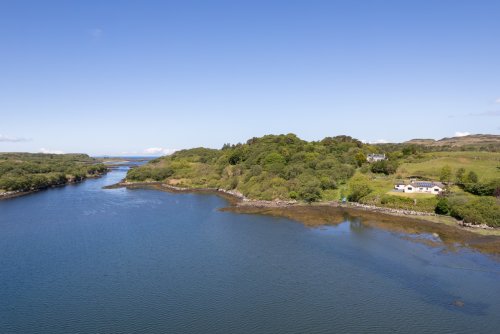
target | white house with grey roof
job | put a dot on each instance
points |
(375, 157)
(426, 187)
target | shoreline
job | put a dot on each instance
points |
(426, 228)
(13, 194)
(239, 201)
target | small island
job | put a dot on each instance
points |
(24, 173)
(457, 177)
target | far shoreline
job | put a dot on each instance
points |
(14, 194)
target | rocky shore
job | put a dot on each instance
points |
(241, 201)
(450, 231)
(12, 194)
(238, 200)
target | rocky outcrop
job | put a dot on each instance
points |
(12, 194)
(388, 210)
(484, 226)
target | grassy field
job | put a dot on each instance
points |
(428, 166)
(410, 195)
(382, 184)
(485, 164)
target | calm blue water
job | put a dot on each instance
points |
(81, 259)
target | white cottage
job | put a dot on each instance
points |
(375, 157)
(426, 187)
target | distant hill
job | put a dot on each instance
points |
(471, 140)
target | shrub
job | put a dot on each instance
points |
(327, 183)
(384, 166)
(359, 187)
(442, 206)
(310, 191)
(476, 210)
(472, 177)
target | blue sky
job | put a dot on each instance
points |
(135, 77)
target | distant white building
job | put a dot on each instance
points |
(375, 157)
(426, 187)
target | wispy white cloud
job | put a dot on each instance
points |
(47, 151)
(96, 33)
(491, 113)
(379, 141)
(12, 139)
(159, 151)
(497, 100)
(461, 134)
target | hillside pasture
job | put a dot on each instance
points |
(485, 164)
(410, 195)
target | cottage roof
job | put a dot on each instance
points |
(426, 184)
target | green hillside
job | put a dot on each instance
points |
(286, 167)
(268, 168)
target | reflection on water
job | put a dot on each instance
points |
(419, 230)
(87, 260)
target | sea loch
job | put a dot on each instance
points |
(88, 260)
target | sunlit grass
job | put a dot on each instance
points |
(410, 195)
(485, 164)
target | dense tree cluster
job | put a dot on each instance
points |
(270, 167)
(474, 209)
(384, 166)
(25, 171)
